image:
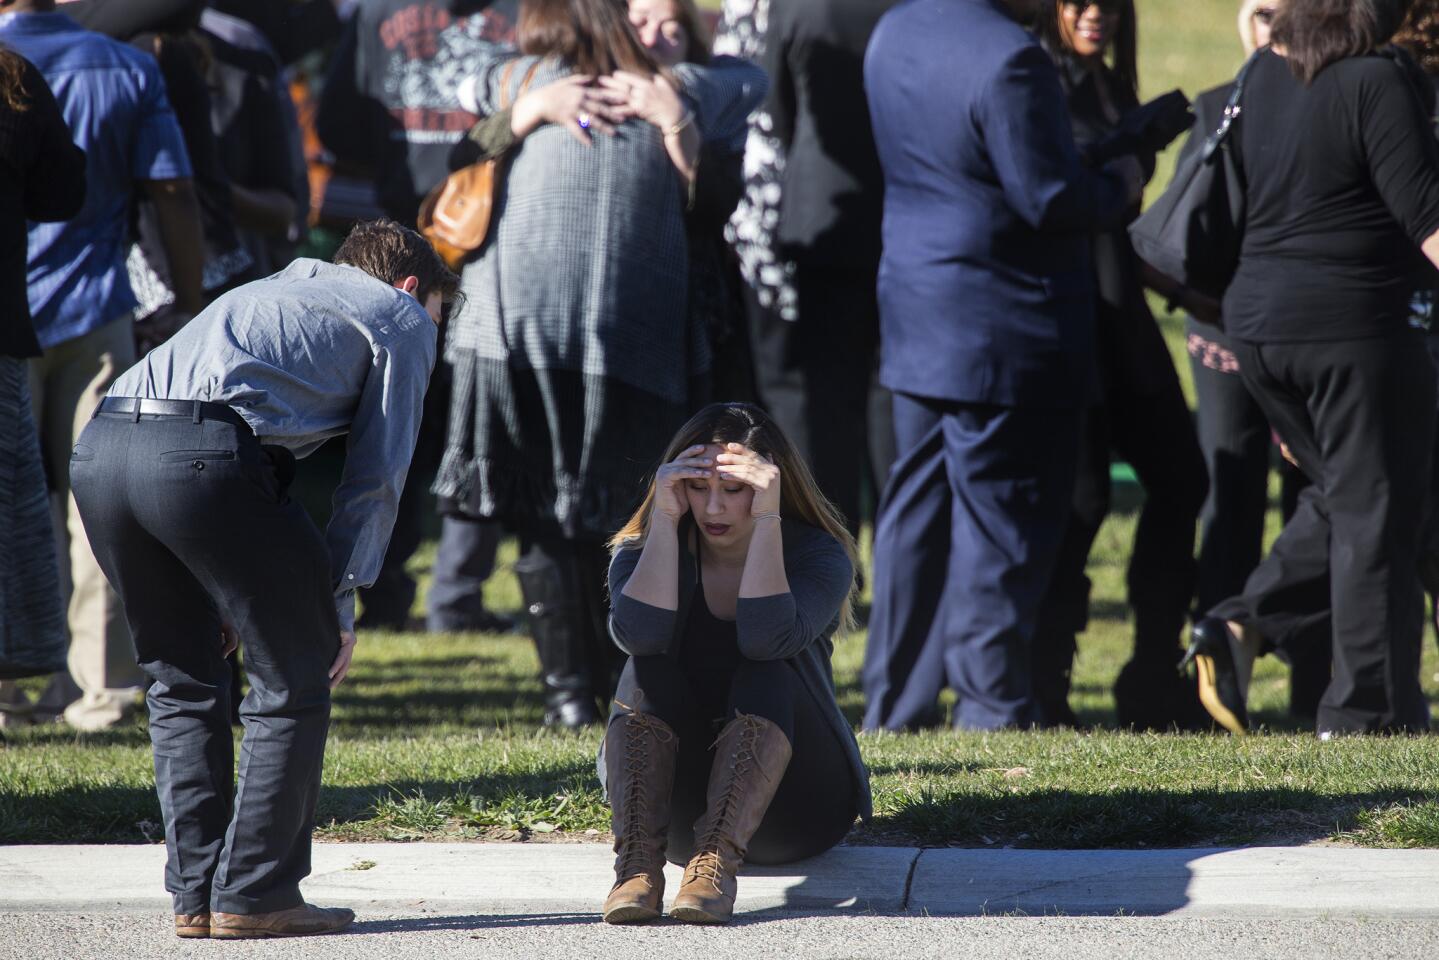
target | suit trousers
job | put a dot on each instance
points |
(1359, 417)
(191, 522)
(817, 376)
(65, 385)
(966, 541)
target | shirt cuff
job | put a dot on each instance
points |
(469, 100)
(345, 610)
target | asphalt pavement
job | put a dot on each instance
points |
(523, 900)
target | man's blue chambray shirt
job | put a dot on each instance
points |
(113, 99)
(312, 352)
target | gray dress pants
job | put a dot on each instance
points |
(190, 521)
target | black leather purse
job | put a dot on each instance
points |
(1192, 233)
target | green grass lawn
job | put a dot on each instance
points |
(439, 737)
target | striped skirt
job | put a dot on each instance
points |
(32, 618)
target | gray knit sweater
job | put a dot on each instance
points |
(798, 626)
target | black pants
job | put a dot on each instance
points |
(1152, 431)
(814, 807)
(1239, 450)
(191, 523)
(1359, 417)
(817, 376)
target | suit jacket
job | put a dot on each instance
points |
(985, 286)
(831, 198)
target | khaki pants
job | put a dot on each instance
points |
(65, 385)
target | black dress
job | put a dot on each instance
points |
(1142, 415)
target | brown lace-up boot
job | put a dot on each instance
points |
(751, 755)
(640, 753)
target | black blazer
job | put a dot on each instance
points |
(832, 194)
(42, 177)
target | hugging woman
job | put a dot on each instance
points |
(725, 742)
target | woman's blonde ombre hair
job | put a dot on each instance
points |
(800, 498)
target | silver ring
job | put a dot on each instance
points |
(584, 120)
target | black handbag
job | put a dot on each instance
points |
(1192, 233)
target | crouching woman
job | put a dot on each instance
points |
(725, 744)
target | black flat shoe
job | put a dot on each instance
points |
(1211, 653)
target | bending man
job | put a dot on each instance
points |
(181, 482)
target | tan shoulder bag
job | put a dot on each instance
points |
(455, 216)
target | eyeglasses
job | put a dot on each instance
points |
(1265, 15)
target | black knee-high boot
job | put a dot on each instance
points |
(556, 616)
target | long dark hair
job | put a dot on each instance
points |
(12, 81)
(1316, 33)
(594, 37)
(1124, 50)
(800, 496)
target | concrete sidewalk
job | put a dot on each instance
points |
(563, 878)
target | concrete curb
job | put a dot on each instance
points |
(526, 879)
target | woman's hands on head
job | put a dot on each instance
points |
(653, 99)
(576, 103)
(739, 462)
(691, 464)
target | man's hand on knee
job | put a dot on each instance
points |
(341, 666)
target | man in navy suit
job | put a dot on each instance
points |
(987, 328)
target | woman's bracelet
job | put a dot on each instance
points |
(681, 123)
(765, 516)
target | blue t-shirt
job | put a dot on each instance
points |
(113, 99)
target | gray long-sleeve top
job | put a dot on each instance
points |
(797, 627)
(315, 351)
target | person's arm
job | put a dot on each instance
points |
(781, 625)
(349, 121)
(378, 449)
(161, 165)
(1026, 128)
(658, 102)
(781, 104)
(725, 92)
(266, 210)
(638, 628)
(1403, 156)
(55, 180)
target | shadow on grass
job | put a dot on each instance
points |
(1134, 818)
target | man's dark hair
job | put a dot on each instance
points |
(390, 252)
(1316, 33)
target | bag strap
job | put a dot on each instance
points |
(508, 74)
(1232, 107)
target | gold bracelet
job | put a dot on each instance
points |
(680, 124)
(766, 516)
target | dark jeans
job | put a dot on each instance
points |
(967, 538)
(812, 810)
(191, 523)
(817, 376)
(464, 561)
(1359, 417)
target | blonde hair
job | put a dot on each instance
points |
(800, 497)
(1246, 23)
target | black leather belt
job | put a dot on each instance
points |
(193, 410)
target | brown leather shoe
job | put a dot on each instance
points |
(302, 921)
(751, 755)
(192, 926)
(640, 753)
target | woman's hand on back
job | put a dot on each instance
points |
(670, 499)
(739, 462)
(653, 99)
(574, 103)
